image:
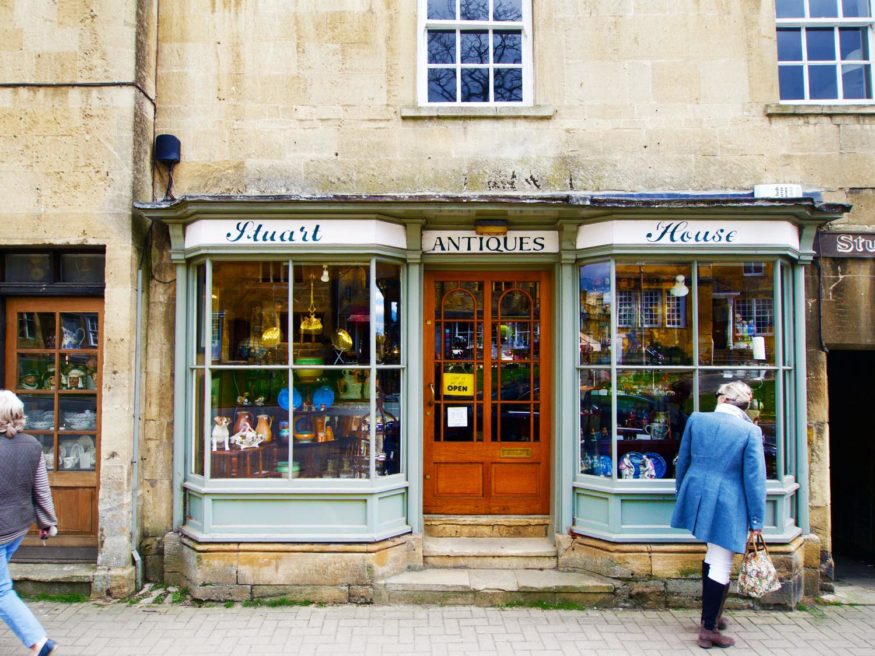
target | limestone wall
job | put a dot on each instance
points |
(76, 123)
(278, 97)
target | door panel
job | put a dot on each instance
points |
(54, 364)
(487, 429)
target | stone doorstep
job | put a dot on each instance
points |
(53, 572)
(485, 526)
(489, 553)
(490, 586)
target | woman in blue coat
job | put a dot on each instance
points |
(721, 495)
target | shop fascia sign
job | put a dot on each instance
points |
(523, 242)
(846, 244)
(707, 233)
(254, 233)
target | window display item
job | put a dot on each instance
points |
(72, 339)
(311, 324)
(350, 385)
(648, 471)
(243, 421)
(658, 464)
(342, 342)
(323, 398)
(221, 434)
(627, 469)
(264, 428)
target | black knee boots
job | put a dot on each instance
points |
(713, 596)
(722, 622)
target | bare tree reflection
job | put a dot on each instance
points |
(474, 9)
(441, 47)
(442, 9)
(475, 85)
(508, 47)
(508, 10)
(475, 47)
(508, 85)
(441, 85)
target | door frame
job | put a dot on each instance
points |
(58, 479)
(493, 452)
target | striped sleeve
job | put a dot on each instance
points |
(42, 497)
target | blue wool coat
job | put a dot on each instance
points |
(720, 479)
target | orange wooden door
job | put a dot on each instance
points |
(54, 364)
(487, 407)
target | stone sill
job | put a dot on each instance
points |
(780, 109)
(536, 111)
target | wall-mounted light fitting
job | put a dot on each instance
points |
(490, 226)
(325, 277)
(167, 153)
(679, 288)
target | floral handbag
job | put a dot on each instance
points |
(758, 576)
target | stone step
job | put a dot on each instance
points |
(53, 578)
(492, 587)
(489, 553)
(487, 526)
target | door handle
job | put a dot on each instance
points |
(431, 388)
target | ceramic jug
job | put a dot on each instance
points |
(243, 420)
(263, 429)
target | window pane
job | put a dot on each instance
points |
(250, 312)
(820, 44)
(442, 9)
(77, 452)
(641, 314)
(36, 330)
(790, 44)
(595, 313)
(853, 43)
(82, 267)
(474, 9)
(441, 47)
(854, 8)
(736, 322)
(388, 428)
(199, 434)
(35, 267)
(652, 411)
(855, 81)
(347, 317)
(79, 330)
(508, 85)
(388, 319)
(441, 85)
(248, 406)
(822, 83)
(790, 8)
(507, 10)
(791, 82)
(596, 428)
(475, 47)
(475, 85)
(762, 410)
(823, 8)
(507, 46)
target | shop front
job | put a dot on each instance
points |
(346, 371)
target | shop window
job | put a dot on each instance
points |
(65, 268)
(824, 50)
(633, 410)
(475, 52)
(303, 375)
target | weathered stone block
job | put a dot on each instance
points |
(221, 592)
(361, 594)
(317, 594)
(303, 569)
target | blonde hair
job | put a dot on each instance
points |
(11, 414)
(736, 393)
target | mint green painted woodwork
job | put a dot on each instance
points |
(233, 513)
(646, 512)
(195, 510)
(391, 510)
(594, 507)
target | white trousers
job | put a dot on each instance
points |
(720, 562)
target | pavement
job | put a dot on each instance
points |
(157, 623)
(171, 629)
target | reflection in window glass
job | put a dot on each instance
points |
(82, 267)
(652, 331)
(595, 313)
(441, 9)
(645, 407)
(30, 267)
(596, 427)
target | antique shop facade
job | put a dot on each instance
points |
(347, 370)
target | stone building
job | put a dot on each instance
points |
(430, 275)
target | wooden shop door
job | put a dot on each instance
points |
(54, 364)
(487, 374)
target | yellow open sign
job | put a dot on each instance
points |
(458, 384)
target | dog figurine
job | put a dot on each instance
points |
(220, 432)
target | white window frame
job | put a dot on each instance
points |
(761, 312)
(675, 310)
(839, 22)
(424, 24)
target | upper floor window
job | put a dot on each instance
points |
(475, 52)
(824, 50)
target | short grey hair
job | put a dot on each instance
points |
(736, 393)
(11, 414)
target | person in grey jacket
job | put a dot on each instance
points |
(721, 495)
(25, 497)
